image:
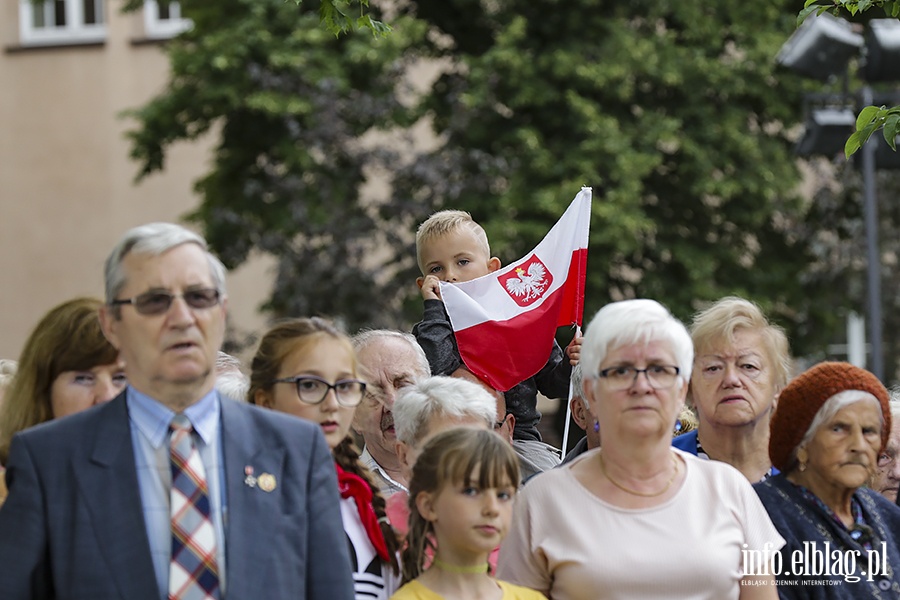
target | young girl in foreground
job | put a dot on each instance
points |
(460, 499)
(307, 368)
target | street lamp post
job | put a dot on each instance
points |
(821, 49)
(873, 259)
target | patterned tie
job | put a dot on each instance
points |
(193, 573)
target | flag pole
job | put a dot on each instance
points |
(565, 442)
(579, 315)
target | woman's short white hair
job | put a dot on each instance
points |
(446, 396)
(631, 322)
(230, 377)
(8, 369)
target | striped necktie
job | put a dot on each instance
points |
(193, 573)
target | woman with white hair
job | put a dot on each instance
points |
(435, 404)
(426, 408)
(638, 518)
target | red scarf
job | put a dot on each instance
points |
(354, 485)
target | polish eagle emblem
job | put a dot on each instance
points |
(527, 282)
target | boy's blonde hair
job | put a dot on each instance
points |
(444, 222)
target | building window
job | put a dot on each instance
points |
(162, 19)
(54, 22)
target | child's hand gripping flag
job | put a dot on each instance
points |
(505, 322)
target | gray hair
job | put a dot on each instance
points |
(635, 321)
(894, 404)
(831, 408)
(226, 362)
(577, 384)
(367, 336)
(8, 369)
(439, 395)
(230, 377)
(154, 239)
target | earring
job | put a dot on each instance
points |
(596, 426)
(678, 426)
(802, 458)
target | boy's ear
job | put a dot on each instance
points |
(425, 506)
(494, 264)
(420, 281)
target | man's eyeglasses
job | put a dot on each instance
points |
(659, 377)
(312, 389)
(157, 303)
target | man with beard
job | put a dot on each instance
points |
(390, 361)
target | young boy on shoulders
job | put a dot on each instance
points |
(452, 247)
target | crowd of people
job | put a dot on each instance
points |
(142, 462)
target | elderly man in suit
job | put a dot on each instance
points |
(170, 490)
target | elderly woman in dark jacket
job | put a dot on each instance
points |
(830, 425)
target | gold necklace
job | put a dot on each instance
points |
(635, 492)
(485, 568)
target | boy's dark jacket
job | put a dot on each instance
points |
(435, 334)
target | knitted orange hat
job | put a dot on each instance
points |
(802, 398)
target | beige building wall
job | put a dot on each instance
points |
(67, 189)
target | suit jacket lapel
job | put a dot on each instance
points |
(109, 485)
(252, 510)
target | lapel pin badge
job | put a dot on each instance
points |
(267, 482)
(249, 479)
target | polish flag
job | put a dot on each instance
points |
(505, 322)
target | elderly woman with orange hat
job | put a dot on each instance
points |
(831, 423)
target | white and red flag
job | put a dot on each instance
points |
(505, 322)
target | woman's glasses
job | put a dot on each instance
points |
(660, 377)
(312, 389)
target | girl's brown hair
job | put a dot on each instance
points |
(284, 338)
(451, 458)
(68, 338)
(275, 346)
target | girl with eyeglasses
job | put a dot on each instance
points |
(307, 368)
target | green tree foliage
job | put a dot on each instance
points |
(289, 105)
(671, 110)
(342, 17)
